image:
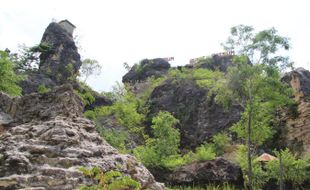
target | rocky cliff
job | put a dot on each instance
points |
(199, 117)
(298, 125)
(59, 64)
(44, 140)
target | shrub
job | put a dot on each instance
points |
(220, 141)
(43, 89)
(115, 138)
(294, 169)
(85, 93)
(9, 79)
(165, 143)
(204, 153)
(110, 180)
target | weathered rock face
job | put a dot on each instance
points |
(59, 63)
(148, 68)
(34, 80)
(48, 141)
(61, 101)
(64, 60)
(216, 171)
(199, 118)
(299, 126)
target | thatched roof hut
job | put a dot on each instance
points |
(265, 158)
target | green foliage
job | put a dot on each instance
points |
(203, 77)
(70, 72)
(90, 67)
(28, 57)
(260, 176)
(85, 93)
(268, 95)
(261, 47)
(220, 141)
(125, 112)
(43, 89)
(141, 66)
(110, 180)
(166, 137)
(90, 114)
(204, 153)
(294, 170)
(165, 143)
(9, 79)
(115, 138)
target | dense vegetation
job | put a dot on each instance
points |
(9, 79)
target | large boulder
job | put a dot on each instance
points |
(216, 171)
(63, 61)
(298, 124)
(200, 117)
(146, 68)
(48, 140)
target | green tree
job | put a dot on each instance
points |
(90, 67)
(9, 79)
(256, 86)
(261, 48)
(164, 144)
(294, 169)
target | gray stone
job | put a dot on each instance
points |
(147, 68)
(49, 140)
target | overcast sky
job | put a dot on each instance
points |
(115, 31)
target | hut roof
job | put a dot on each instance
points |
(265, 158)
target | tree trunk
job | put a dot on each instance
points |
(249, 138)
(281, 171)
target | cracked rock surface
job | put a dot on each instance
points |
(43, 145)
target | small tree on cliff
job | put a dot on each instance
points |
(8, 79)
(254, 82)
(90, 67)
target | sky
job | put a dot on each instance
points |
(118, 31)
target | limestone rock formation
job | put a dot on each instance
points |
(47, 140)
(299, 125)
(147, 68)
(200, 118)
(63, 61)
(34, 80)
(59, 63)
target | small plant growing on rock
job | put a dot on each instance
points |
(43, 89)
(110, 180)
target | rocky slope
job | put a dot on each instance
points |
(299, 125)
(44, 140)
